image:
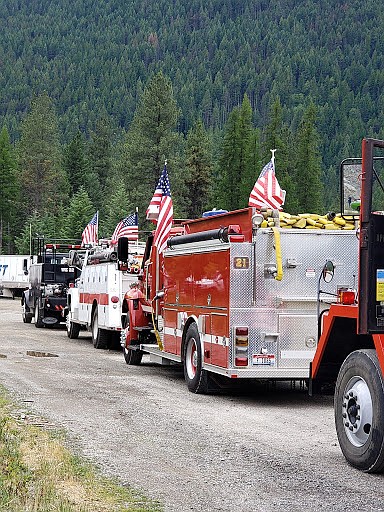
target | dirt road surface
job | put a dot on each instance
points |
(246, 450)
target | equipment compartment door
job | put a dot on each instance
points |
(297, 340)
(220, 339)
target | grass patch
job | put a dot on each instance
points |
(39, 474)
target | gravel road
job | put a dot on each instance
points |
(247, 450)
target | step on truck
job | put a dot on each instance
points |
(232, 299)
(50, 277)
(94, 303)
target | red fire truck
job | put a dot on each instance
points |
(230, 299)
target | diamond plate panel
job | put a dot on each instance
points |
(282, 315)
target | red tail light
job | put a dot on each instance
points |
(114, 299)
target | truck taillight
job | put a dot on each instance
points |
(241, 346)
(114, 299)
(346, 296)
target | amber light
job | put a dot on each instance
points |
(241, 346)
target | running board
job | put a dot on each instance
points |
(158, 356)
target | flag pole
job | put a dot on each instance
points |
(97, 227)
(273, 151)
(137, 220)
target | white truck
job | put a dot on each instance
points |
(14, 271)
(95, 302)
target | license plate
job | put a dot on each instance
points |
(263, 359)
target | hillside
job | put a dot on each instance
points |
(95, 56)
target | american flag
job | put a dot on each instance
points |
(128, 228)
(89, 234)
(267, 191)
(162, 198)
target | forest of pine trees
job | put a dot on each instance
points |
(96, 95)
(55, 189)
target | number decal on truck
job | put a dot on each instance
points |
(241, 263)
(3, 268)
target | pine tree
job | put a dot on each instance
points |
(100, 159)
(44, 183)
(308, 164)
(9, 187)
(76, 164)
(237, 157)
(226, 194)
(116, 210)
(80, 212)
(249, 152)
(199, 168)
(278, 136)
(151, 140)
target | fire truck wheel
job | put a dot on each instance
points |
(133, 357)
(195, 377)
(38, 319)
(100, 337)
(73, 329)
(27, 315)
(359, 411)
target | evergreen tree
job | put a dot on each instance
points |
(9, 187)
(80, 212)
(249, 152)
(308, 164)
(43, 225)
(116, 210)
(150, 141)
(44, 183)
(199, 167)
(237, 157)
(76, 164)
(100, 159)
(278, 136)
(226, 196)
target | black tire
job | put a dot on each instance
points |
(38, 319)
(133, 357)
(26, 313)
(100, 337)
(114, 340)
(73, 329)
(359, 411)
(196, 378)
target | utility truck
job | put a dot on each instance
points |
(50, 276)
(95, 300)
(232, 299)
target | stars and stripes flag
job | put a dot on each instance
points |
(266, 191)
(128, 228)
(89, 235)
(160, 209)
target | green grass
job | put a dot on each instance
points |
(39, 474)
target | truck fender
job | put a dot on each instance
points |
(133, 314)
(186, 322)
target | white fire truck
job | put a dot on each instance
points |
(94, 302)
(231, 299)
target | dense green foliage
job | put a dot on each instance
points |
(95, 93)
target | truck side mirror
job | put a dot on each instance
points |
(350, 186)
(122, 249)
(328, 271)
